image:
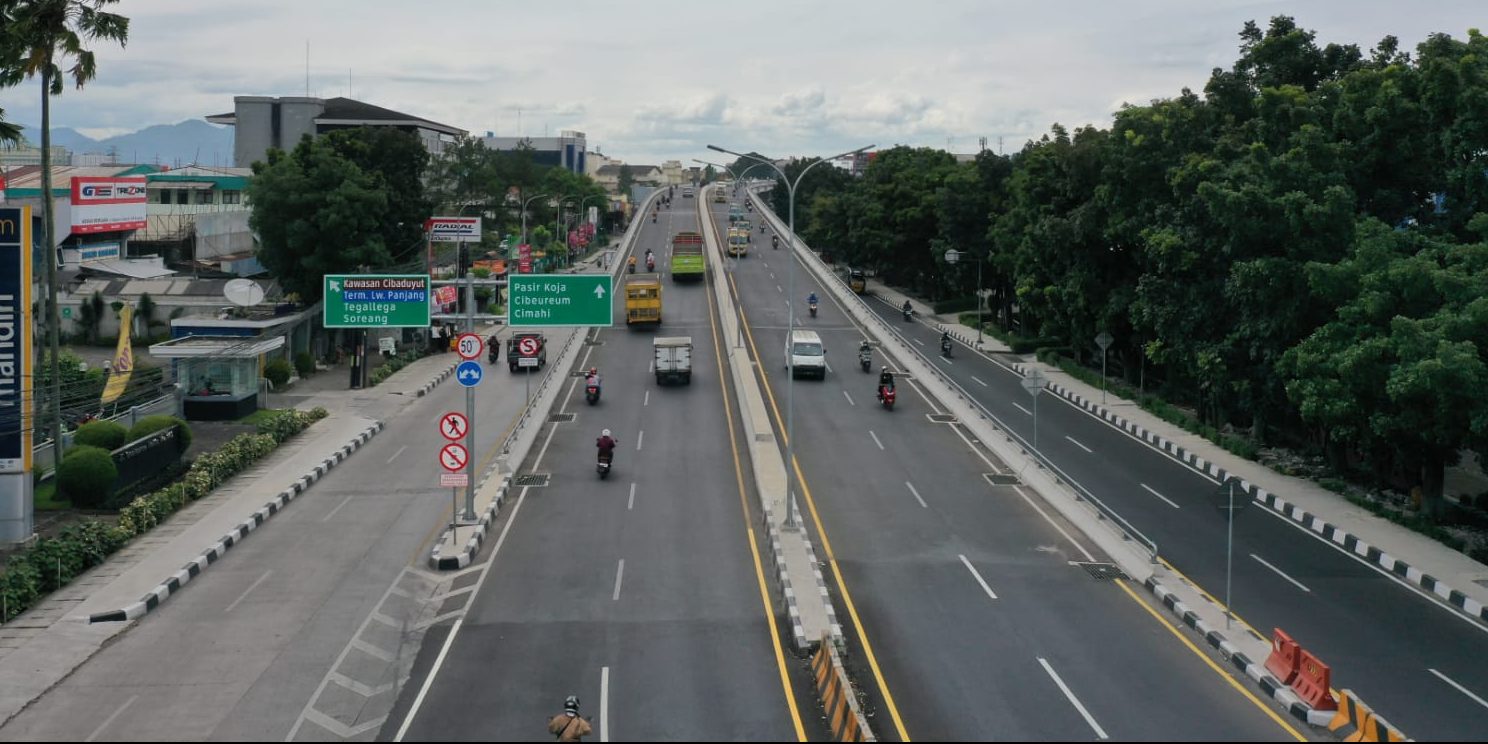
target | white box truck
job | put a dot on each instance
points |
(673, 359)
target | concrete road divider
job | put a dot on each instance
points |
(837, 696)
(1284, 658)
(1354, 721)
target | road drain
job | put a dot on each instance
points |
(1101, 571)
(560, 418)
(532, 480)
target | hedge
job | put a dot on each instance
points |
(304, 364)
(282, 425)
(86, 476)
(151, 424)
(1016, 344)
(277, 372)
(110, 435)
(53, 562)
(393, 364)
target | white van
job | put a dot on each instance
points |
(805, 354)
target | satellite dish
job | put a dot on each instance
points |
(243, 292)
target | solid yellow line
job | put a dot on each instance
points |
(1257, 702)
(759, 571)
(821, 530)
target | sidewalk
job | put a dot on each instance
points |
(1428, 564)
(45, 644)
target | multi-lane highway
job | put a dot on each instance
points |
(975, 599)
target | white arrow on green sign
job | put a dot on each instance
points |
(560, 300)
(376, 301)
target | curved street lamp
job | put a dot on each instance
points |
(790, 387)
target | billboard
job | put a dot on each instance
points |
(15, 340)
(107, 204)
(453, 229)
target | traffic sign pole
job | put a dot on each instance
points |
(470, 403)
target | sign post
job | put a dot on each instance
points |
(560, 300)
(1034, 384)
(1104, 342)
(17, 418)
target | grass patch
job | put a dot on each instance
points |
(45, 497)
(259, 416)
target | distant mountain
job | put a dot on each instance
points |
(191, 141)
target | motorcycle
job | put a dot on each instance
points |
(630, 267)
(865, 360)
(775, 243)
(650, 264)
(494, 352)
(653, 217)
(886, 395)
(812, 306)
(603, 468)
(908, 315)
(945, 347)
(591, 393)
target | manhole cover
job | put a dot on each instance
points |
(1101, 571)
(1001, 479)
(532, 480)
(942, 418)
(560, 418)
(593, 342)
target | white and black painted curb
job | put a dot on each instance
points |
(1311, 522)
(821, 589)
(1273, 687)
(782, 574)
(472, 545)
(436, 379)
(211, 555)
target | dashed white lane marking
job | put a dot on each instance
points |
(1280, 573)
(344, 502)
(1073, 700)
(1081, 446)
(630, 504)
(778, 289)
(979, 381)
(604, 704)
(849, 398)
(1460, 688)
(921, 343)
(978, 577)
(640, 436)
(646, 401)
(399, 452)
(94, 736)
(916, 494)
(619, 576)
(875, 439)
(250, 588)
(1021, 408)
(1155, 493)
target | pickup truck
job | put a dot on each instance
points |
(642, 299)
(687, 256)
(526, 351)
(673, 359)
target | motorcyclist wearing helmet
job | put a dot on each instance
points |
(606, 444)
(811, 299)
(592, 377)
(908, 308)
(569, 725)
(885, 380)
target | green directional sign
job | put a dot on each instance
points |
(560, 300)
(377, 301)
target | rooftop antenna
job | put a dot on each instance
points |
(307, 68)
(348, 82)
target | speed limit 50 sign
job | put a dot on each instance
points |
(469, 346)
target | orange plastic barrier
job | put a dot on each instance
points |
(1312, 683)
(1284, 658)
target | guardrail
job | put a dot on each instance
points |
(866, 317)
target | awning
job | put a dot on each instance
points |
(131, 269)
(194, 185)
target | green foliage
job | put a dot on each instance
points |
(316, 212)
(395, 161)
(110, 435)
(277, 372)
(87, 475)
(393, 364)
(304, 364)
(955, 305)
(282, 425)
(151, 424)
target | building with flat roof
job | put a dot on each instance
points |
(567, 150)
(262, 122)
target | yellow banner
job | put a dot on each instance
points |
(123, 358)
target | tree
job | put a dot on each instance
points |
(396, 162)
(709, 175)
(315, 213)
(39, 34)
(626, 180)
(9, 133)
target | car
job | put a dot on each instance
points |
(805, 354)
(686, 193)
(517, 360)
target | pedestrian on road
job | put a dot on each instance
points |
(568, 725)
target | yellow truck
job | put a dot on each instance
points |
(738, 242)
(643, 299)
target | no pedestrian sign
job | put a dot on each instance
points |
(453, 456)
(452, 426)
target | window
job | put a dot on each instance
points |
(159, 196)
(204, 196)
(232, 197)
(183, 196)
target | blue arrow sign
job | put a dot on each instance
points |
(469, 373)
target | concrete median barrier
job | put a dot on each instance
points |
(839, 702)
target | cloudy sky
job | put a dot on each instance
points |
(662, 79)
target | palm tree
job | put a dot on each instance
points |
(39, 34)
(9, 132)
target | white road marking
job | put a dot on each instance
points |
(651, 368)
(399, 452)
(1280, 573)
(1081, 446)
(1073, 700)
(1057, 526)
(979, 382)
(640, 436)
(1460, 688)
(344, 502)
(646, 401)
(630, 504)
(1155, 493)
(945, 359)
(619, 576)
(604, 704)
(94, 736)
(921, 343)
(875, 439)
(250, 588)
(849, 398)
(978, 576)
(1021, 408)
(916, 494)
(778, 289)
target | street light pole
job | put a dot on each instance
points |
(524, 214)
(790, 385)
(738, 311)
